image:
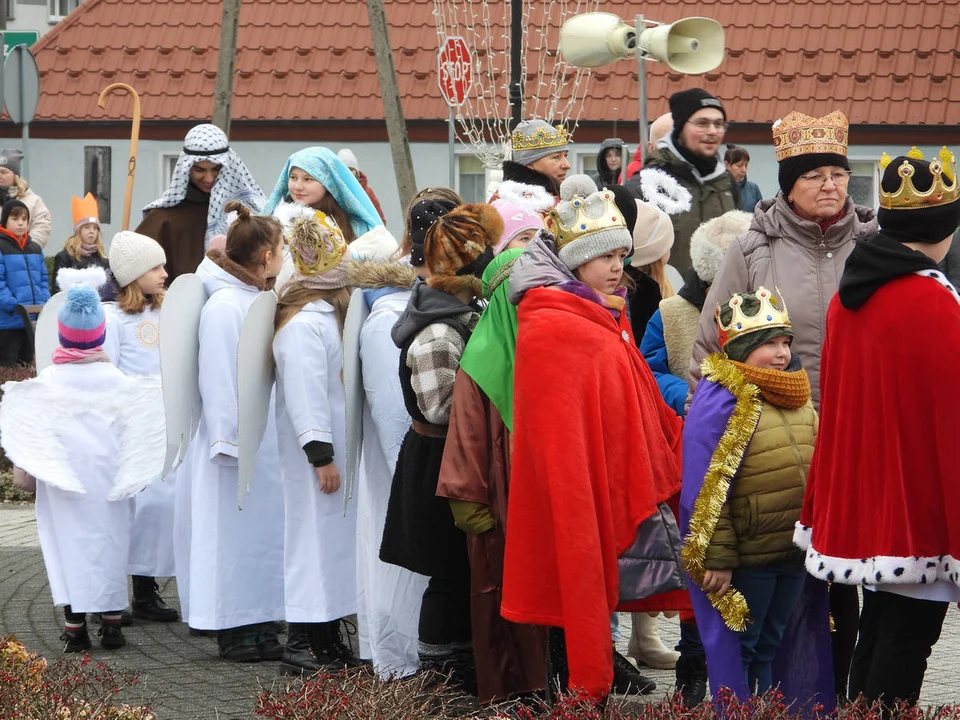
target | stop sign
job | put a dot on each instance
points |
(454, 70)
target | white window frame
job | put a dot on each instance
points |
(460, 155)
(53, 10)
(859, 163)
(168, 161)
(11, 9)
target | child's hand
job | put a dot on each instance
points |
(329, 478)
(715, 581)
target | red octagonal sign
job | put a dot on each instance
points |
(454, 70)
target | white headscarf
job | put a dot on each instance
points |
(208, 142)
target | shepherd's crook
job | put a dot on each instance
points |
(134, 137)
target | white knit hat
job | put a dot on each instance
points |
(710, 241)
(652, 235)
(349, 159)
(132, 255)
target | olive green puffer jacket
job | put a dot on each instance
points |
(755, 527)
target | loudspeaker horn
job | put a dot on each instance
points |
(692, 45)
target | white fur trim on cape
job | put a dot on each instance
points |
(802, 536)
(31, 440)
(880, 569)
(942, 279)
(663, 190)
(530, 197)
(94, 276)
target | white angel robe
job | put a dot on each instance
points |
(105, 433)
(133, 344)
(236, 556)
(319, 542)
(389, 596)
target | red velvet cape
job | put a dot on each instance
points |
(595, 450)
(883, 487)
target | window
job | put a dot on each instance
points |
(863, 183)
(471, 179)
(586, 164)
(96, 177)
(167, 163)
(57, 10)
(11, 8)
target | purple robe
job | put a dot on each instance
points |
(803, 667)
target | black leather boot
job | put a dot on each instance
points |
(298, 656)
(329, 645)
(147, 603)
(692, 678)
(627, 680)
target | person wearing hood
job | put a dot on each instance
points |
(192, 210)
(667, 343)
(798, 243)
(611, 160)
(887, 451)
(583, 492)
(420, 533)
(538, 156)
(236, 556)
(23, 281)
(475, 472)
(690, 154)
(350, 160)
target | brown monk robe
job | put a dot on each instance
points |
(510, 658)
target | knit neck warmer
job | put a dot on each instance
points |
(78, 356)
(87, 249)
(704, 165)
(785, 389)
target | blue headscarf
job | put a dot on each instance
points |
(324, 166)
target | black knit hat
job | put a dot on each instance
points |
(8, 207)
(792, 168)
(626, 204)
(685, 103)
(918, 224)
(422, 216)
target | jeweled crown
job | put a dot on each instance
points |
(770, 315)
(583, 215)
(798, 134)
(907, 197)
(542, 138)
(316, 243)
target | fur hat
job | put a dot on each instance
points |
(81, 322)
(459, 245)
(422, 217)
(132, 255)
(652, 235)
(710, 241)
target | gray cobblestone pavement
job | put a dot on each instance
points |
(189, 681)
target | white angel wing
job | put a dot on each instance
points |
(143, 443)
(30, 439)
(255, 376)
(46, 337)
(353, 388)
(180, 365)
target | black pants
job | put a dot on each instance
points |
(897, 634)
(845, 611)
(14, 348)
(445, 612)
(558, 671)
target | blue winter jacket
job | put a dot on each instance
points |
(750, 195)
(654, 350)
(23, 279)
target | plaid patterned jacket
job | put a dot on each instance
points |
(433, 359)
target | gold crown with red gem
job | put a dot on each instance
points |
(941, 192)
(770, 315)
(798, 134)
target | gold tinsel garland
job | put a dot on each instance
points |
(723, 466)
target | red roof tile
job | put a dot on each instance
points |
(880, 61)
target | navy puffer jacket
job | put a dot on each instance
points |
(23, 279)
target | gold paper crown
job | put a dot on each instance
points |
(317, 233)
(768, 316)
(907, 197)
(542, 138)
(799, 134)
(573, 219)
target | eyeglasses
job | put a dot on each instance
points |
(840, 177)
(704, 125)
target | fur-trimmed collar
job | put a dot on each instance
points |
(239, 271)
(455, 283)
(374, 275)
(523, 174)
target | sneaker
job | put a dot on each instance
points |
(111, 636)
(76, 640)
(627, 680)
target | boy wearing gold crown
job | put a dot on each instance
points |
(888, 446)
(748, 441)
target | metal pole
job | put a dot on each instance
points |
(642, 88)
(452, 138)
(22, 67)
(516, 61)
